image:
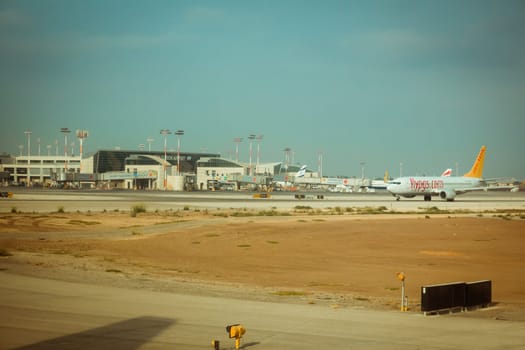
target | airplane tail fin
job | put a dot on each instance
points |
(301, 171)
(447, 172)
(477, 167)
(385, 178)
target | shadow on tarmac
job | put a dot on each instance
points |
(128, 334)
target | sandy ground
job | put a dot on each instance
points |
(341, 260)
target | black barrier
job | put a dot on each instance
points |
(478, 293)
(450, 296)
(442, 296)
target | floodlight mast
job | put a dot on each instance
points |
(251, 138)
(259, 139)
(81, 134)
(28, 134)
(287, 152)
(65, 131)
(165, 133)
(149, 140)
(179, 133)
(237, 140)
(320, 164)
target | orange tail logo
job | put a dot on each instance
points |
(477, 167)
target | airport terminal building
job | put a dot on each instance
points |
(103, 169)
(157, 170)
(134, 169)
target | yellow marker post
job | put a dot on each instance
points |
(236, 331)
(404, 299)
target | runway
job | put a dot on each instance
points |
(47, 314)
(50, 200)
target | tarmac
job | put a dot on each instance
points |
(46, 314)
(70, 200)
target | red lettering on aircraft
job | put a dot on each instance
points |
(424, 185)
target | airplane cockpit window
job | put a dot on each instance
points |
(394, 183)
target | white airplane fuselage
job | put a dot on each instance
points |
(446, 187)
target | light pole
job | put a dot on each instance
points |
(82, 134)
(65, 131)
(56, 148)
(179, 133)
(287, 151)
(400, 169)
(259, 139)
(237, 140)
(165, 132)
(149, 140)
(320, 164)
(251, 138)
(362, 173)
(38, 142)
(28, 134)
(48, 150)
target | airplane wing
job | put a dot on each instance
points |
(485, 188)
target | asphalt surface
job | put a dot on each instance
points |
(47, 314)
(50, 200)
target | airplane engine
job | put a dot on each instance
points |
(449, 195)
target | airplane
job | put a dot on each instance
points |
(288, 184)
(301, 171)
(444, 186)
(382, 184)
(447, 172)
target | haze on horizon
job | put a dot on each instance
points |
(422, 83)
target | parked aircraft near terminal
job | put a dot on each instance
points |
(287, 184)
(444, 186)
(301, 171)
(447, 172)
(380, 184)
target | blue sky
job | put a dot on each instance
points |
(423, 83)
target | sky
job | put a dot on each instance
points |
(405, 86)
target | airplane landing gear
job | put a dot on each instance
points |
(398, 198)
